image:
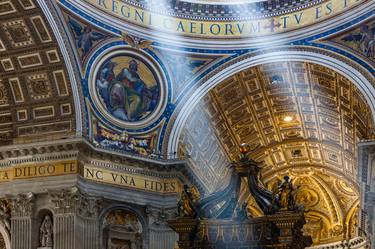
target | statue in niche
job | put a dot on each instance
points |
(46, 233)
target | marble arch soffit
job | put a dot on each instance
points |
(35, 91)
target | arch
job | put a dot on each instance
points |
(348, 219)
(6, 236)
(73, 77)
(140, 216)
(348, 71)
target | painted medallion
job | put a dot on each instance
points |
(127, 88)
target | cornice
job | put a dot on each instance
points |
(83, 151)
(316, 31)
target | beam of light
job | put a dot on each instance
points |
(176, 60)
(181, 67)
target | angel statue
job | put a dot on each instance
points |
(285, 196)
(46, 232)
(189, 198)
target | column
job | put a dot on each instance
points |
(21, 222)
(161, 236)
(64, 231)
(90, 233)
(88, 222)
(75, 221)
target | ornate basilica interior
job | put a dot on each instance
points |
(177, 124)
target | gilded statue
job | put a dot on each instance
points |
(186, 205)
(284, 196)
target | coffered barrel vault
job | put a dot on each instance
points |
(292, 114)
(35, 92)
(299, 119)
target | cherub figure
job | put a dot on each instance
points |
(85, 36)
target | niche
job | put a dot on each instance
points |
(45, 221)
(122, 230)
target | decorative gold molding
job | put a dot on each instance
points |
(257, 26)
(133, 181)
(38, 170)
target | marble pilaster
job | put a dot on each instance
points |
(21, 221)
(161, 235)
(75, 220)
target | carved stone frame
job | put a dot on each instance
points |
(142, 218)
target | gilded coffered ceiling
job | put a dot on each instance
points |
(292, 115)
(35, 93)
(300, 119)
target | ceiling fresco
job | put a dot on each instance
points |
(35, 93)
(85, 37)
(185, 68)
(131, 88)
(359, 40)
(299, 119)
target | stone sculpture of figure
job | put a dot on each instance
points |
(5, 214)
(186, 204)
(46, 232)
(285, 195)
